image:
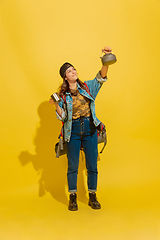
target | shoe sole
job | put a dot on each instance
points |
(72, 209)
(93, 207)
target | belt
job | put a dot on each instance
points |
(81, 118)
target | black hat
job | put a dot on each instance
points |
(63, 68)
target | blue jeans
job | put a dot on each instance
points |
(83, 132)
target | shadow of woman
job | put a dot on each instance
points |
(52, 170)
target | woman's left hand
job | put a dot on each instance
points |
(107, 50)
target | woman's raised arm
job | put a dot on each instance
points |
(104, 69)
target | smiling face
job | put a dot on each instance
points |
(71, 75)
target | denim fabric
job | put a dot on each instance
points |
(83, 132)
(94, 87)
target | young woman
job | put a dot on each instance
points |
(80, 127)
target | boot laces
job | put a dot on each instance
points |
(73, 198)
(93, 197)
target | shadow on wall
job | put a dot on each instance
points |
(52, 170)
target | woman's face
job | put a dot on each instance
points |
(71, 74)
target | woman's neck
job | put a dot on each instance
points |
(73, 85)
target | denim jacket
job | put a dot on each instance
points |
(94, 87)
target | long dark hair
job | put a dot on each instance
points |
(65, 86)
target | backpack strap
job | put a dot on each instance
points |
(87, 88)
(64, 97)
(102, 135)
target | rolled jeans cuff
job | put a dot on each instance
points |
(92, 190)
(72, 191)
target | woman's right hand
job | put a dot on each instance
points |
(51, 101)
(58, 109)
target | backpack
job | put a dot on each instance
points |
(60, 147)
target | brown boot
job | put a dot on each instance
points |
(73, 202)
(93, 201)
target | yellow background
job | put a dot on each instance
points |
(36, 38)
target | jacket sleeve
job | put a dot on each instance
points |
(95, 84)
(64, 113)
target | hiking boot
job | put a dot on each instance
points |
(93, 201)
(73, 202)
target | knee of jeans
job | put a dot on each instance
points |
(92, 171)
(72, 171)
(73, 168)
